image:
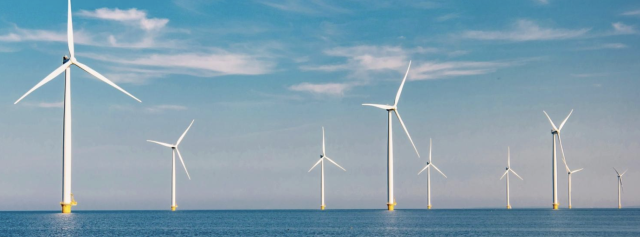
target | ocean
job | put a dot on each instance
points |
(475, 222)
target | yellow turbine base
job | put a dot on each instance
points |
(619, 206)
(322, 207)
(173, 208)
(508, 206)
(555, 206)
(66, 207)
(569, 206)
(429, 207)
(390, 206)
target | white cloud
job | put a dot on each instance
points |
(447, 17)
(163, 108)
(217, 63)
(46, 105)
(606, 46)
(22, 35)
(525, 30)
(621, 28)
(310, 7)
(335, 89)
(130, 16)
(631, 13)
(542, 2)
(438, 70)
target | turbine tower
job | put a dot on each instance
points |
(620, 187)
(67, 196)
(323, 156)
(569, 171)
(393, 109)
(428, 168)
(507, 174)
(554, 173)
(174, 150)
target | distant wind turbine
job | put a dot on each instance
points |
(393, 109)
(555, 132)
(174, 150)
(507, 174)
(428, 168)
(67, 196)
(620, 187)
(323, 156)
(569, 172)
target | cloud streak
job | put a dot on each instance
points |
(526, 30)
(131, 16)
(334, 89)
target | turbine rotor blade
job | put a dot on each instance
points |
(553, 125)
(565, 120)
(314, 166)
(515, 174)
(385, 107)
(102, 78)
(49, 77)
(329, 159)
(616, 171)
(423, 169)
(505, 173)
(161, 143)
(430, 143)
(407, 131)
(185, 133)
(624, 172)
(323, 150)
(576, 171)
(508, 156)
(562, 151)
(70, 32)
(436, 167)
(401, 86)
(182, 161)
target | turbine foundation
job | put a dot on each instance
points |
(429, 207)
(322, 207)
(390, 206)
(555, 206)
(173, 208)
(569, 206)
(619, 206)
(66, 207)
(509, 207)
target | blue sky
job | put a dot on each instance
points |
(262, 77)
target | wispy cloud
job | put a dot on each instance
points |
(440, 70)
(622, 29)
(542, 2)
(164, 108)
(606, 46)
(526, 30)
(46, 105)
(631, 13)
(447, 17)
(22, 35)
(310, 7)
(131, 16)
(335, 89)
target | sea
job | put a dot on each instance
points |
(475, 222)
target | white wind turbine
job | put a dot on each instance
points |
(555, 132)
(569, 172)
(620, 187)
(507, 174)
(428, 168)
(323, 156)
(393, 109)
(174, 150)
(67, 197)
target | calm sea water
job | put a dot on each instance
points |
(532, 222)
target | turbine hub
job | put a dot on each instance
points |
(65, 59)
(507, 168)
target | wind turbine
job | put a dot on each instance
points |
(428, 168)
(507, 174)
(555, 132)
(620, 187)
(174, 150)
(67, 196)
(393, 109)
(323, 156)
(569, 172)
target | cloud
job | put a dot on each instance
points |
(439, 70)
(131, 16)
(623, 29)
(335, 89)
(22, 35)
(525, 30)
(309, 7)
(163, 108)
(216, 63)
(631, 13)
(447, 17)
(46, 105)
(542, 2)
(606, 46)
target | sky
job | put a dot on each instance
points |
(261, 78)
